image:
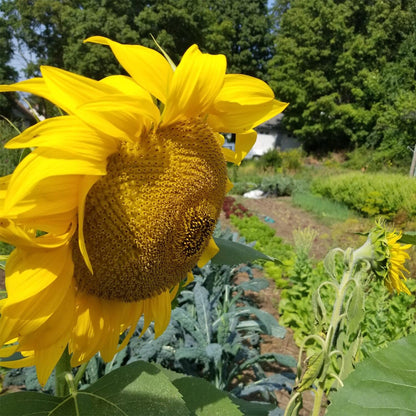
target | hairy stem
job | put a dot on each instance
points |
(63, 367)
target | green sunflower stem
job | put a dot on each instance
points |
(63, 367)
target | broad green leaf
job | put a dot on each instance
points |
(28, 404)
(203, 311)
(383, 385)
(235, 253)
(138, 389)
(313, 371)
(330, 263)
(202, 398)
(253, 408)
(267, 321)
(408, 237)
(355, 309)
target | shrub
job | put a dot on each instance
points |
(272, 159)
(370, 193)
(278, 185)
(292, 160)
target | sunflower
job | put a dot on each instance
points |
(388, 257)
(118, 200)
(396, 259)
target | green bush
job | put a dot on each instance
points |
(272, 159)
(292, 159)
(370, 193)
(278, 185)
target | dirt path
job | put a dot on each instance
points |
(285, 219)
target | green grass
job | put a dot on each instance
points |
(327, 210)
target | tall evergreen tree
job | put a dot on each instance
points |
(7, 73)
(332, 63)
(242, 31)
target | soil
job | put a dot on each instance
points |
(281, 215)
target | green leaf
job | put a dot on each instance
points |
(201, 397)
(267, 321)
(136, 389)
(235, 253)
(27, 404)
(253, 408)
(313, 371)
(408, 237)
(383, 385)
(355, 309)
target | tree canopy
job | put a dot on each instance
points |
(347, 67)
(348, 70)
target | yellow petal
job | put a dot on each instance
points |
(88, 330)
(148, 67)
(189, 278)
(86, 184)
(211, 250)
(52, 337)
(18, 236)
(120, 116)
(23, 362)
(36, 283)
(228, 186)
(35, 86)
(69, 134)
(244, 102)
(161, 305)
(57, 223)
(238, 118)
(59, 324)
(49, 176)
(243, 144)
(33, 275)
(244, 90)
(113, 314)
(68, 90)
(8, 351)
(195, 85)
(124, 84)
(46, 358)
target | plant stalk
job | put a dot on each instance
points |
(62, 368)
(318, 400)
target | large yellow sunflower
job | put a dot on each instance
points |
(126, 189)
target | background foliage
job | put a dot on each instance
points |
(346, 67)
(348, 70)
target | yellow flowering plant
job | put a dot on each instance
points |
(333, 351)
(117, 201)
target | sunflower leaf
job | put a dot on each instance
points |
(235, 253)
(201, 397)
(382, 385)
(28, 403)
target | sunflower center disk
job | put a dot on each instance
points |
(149, 219)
